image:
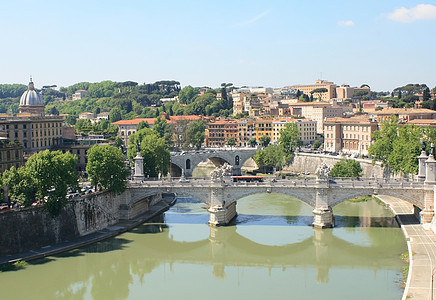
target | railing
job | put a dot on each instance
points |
(277, 182)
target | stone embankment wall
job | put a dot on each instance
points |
(32, 228)
(310, 162)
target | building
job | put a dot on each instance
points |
(11, 154)
(31, 128)
(86, 116)
(245, 132)
(79, 94)
(349, 135)
(404, 115)
(308, 88)
(306, 127)
(346, 92)
(263, 127)
(316, 111)
(218, 132)
(128, 127)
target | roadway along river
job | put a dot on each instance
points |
(271, 252)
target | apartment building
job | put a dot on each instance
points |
(263, 127)
(404, 115)
(306, 127)
(245, 132)
(11, 154)
(218, 132)
(348, 135)
(128, 127)
(316, 111)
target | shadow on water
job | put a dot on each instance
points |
(360, 221)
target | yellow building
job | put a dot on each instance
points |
(263, 127)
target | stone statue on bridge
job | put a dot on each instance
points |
(219, 173)
(323, 171)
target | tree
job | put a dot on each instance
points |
(20, 185)
(426, 94)
(161, 127)
(115, 114)
(317, 144)
(319, 91)
(264, 140)
(382, 146)
(405, 150)
(53, 174)
(154, 150)
(187, 94)
(252, 142)
(195, 134)
(231, 141)
(272, 156)
(141, 125)
(346, 168)
(290, 137)
(304, 98)
(106, 168)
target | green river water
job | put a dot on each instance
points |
(270, 252)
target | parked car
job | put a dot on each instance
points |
(183, 180)
(4, 206)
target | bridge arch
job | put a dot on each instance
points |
(300, 194)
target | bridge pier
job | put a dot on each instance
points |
(429, 195)
(323, 213)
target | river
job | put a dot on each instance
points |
(270, 251)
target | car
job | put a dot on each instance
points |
(183, 180)
(4, 206)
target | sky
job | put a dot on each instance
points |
(382, 43)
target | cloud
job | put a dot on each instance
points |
(419, 12)
(255, 19)
(345, 23)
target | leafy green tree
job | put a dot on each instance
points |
(272, 156)
(290, 137)
(154, 150)
(141, 125)
(405, 150)
(161, 127)
(317, 144)
(264, 140)
(20, 185)
(231, 141)
(319, 91)
(252, 142)
(304, 98)
(346, 168)
(106, 168)
(118, 142)
(187, 94)
(195, 134)
(426, 94)
(384, 140)
(115, 114)
(53, 174)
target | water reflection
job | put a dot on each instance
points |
(169, 258)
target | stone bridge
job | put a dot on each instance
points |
(322, 194)
(186, 162)
(221, 194)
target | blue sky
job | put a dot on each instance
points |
(274, 43)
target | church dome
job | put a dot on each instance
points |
(31, 97)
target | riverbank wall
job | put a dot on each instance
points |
(31, 228)
(309, 162)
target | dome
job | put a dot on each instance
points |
(31, 97)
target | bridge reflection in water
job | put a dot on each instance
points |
(155, 255)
